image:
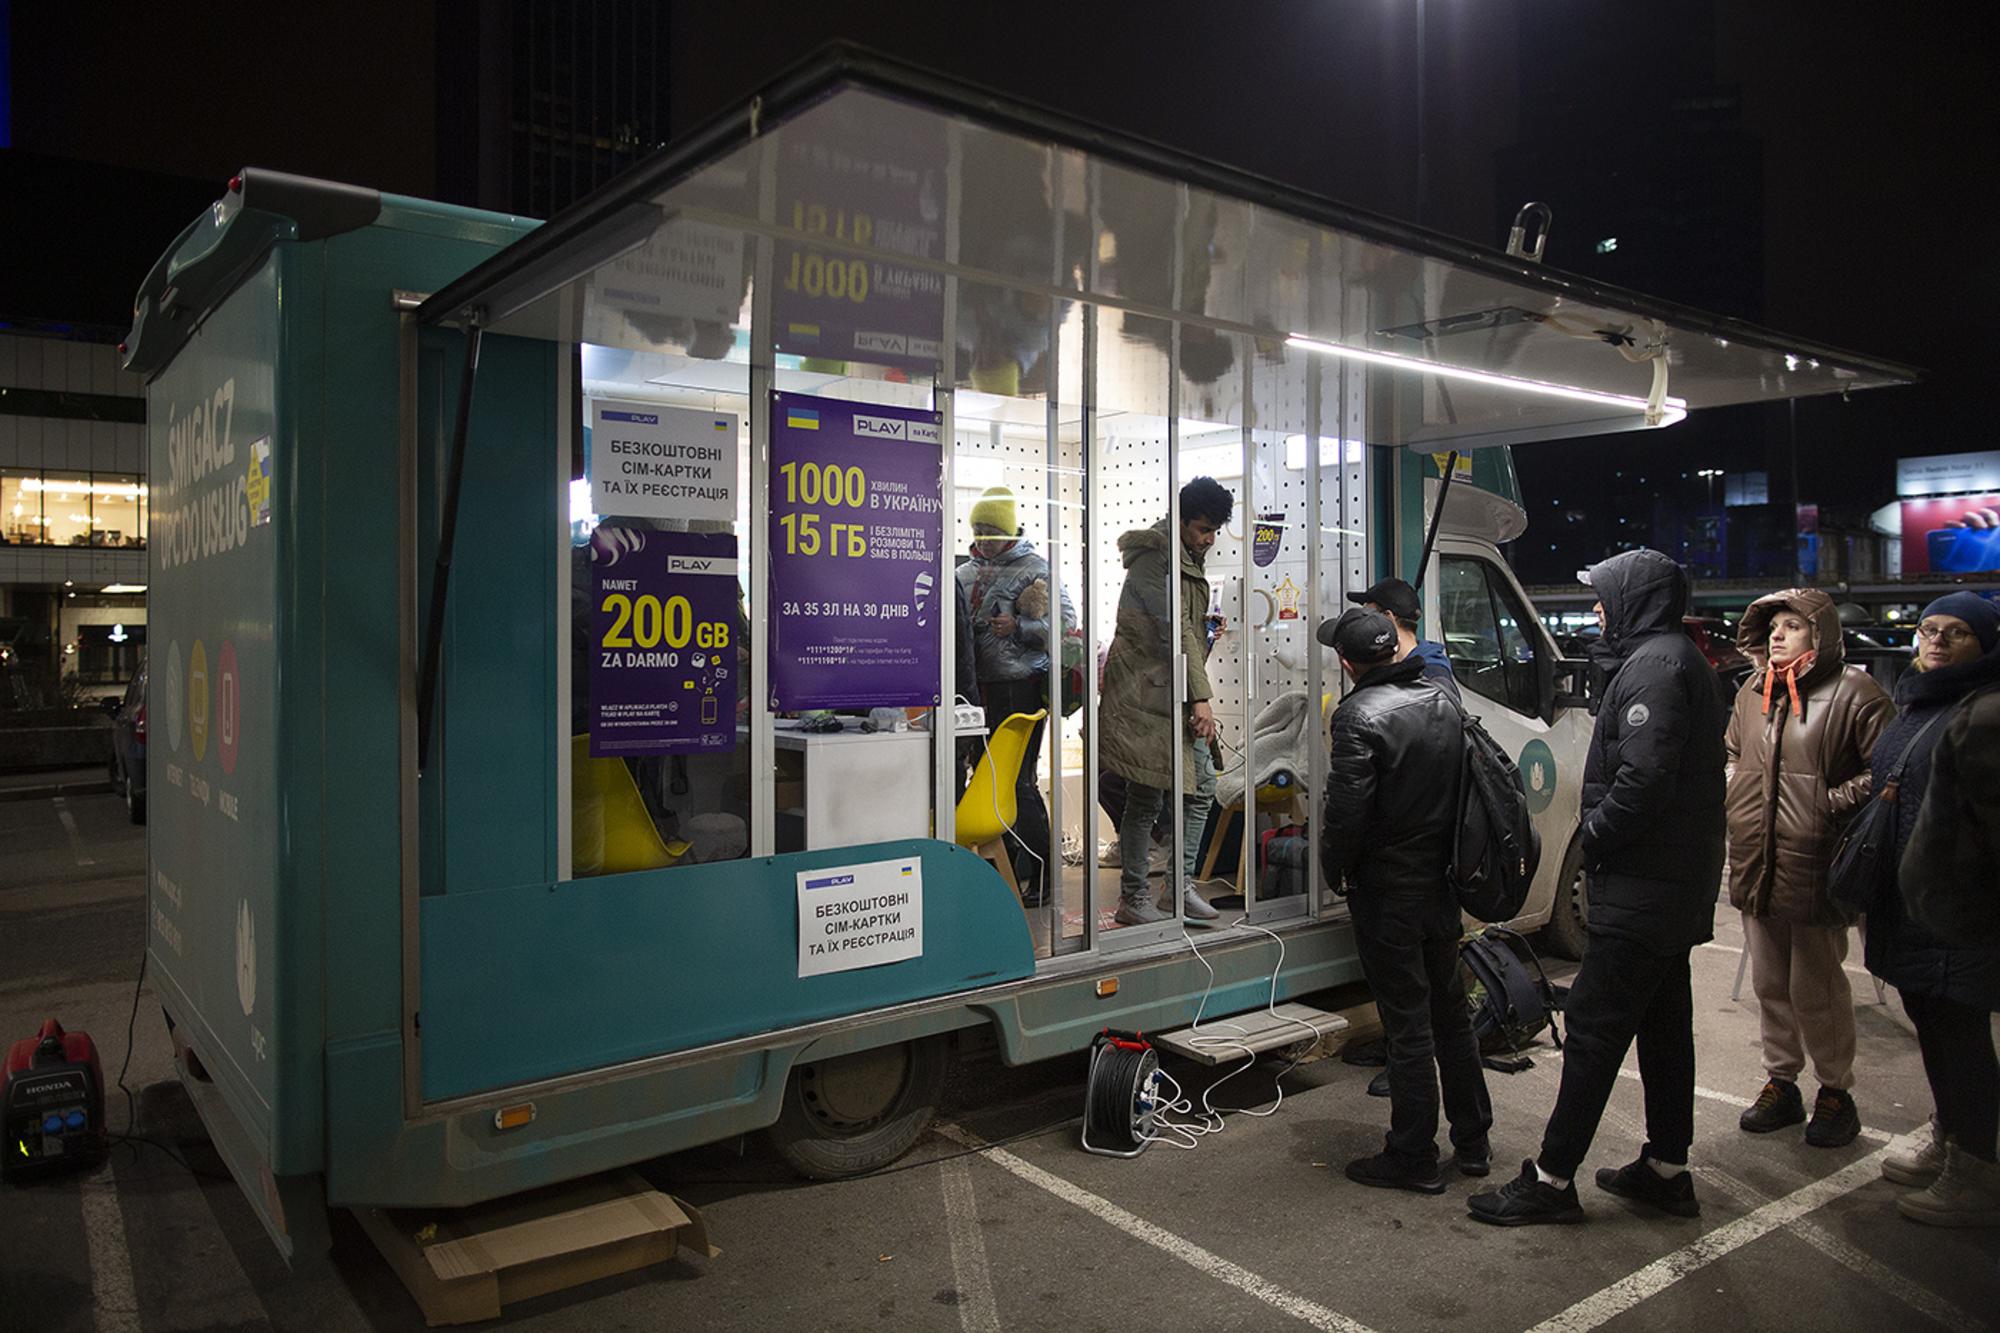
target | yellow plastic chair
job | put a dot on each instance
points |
(610, 830)
(987, 809)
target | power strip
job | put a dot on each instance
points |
(968, 717)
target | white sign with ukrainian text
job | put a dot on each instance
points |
(860, 916)
(650, 461)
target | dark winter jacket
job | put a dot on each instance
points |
(1900, 951)
(1651, 805)
(1799, 764)
(1392, 775)
(965, 674)
(1950, 872)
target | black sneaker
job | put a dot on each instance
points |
(1396, 1173)
(1525, 1202)
(1379, 1085)
(1474, 1159)
(1639, 1182)
(1835, 1121)
(1777, 1106)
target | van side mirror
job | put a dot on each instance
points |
(1573, 684)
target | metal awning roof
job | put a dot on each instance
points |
(1025, 206)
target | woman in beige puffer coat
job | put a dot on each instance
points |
(1800, 737)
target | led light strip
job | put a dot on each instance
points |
(1676, 407)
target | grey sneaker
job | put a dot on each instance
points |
(1918, 1166)
(1199, 909)
(1110, 856)
(1965, 1194)
(1139, 912)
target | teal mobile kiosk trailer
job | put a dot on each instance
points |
(497, 564)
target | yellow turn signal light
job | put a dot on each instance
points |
(513, 1117)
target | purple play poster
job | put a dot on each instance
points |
(663, 651)
(857, 527)
(876, 185)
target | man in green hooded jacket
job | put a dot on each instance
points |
(1141, 716)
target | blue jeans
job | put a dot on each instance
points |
(1142, 807)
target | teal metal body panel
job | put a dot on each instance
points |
(537, 981)
(489, 794)
(218, 943)
(377, 1157)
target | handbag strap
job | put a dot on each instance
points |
(1888, 792)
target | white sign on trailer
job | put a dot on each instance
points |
(650, 461)
(860, 916)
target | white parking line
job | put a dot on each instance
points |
(1214, 1265)
(1663, 1272)
(1915, 1295)
(977, 1310)
(83, 858)
(114, 1303)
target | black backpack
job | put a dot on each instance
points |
(1494, 858)
(1510, 1004)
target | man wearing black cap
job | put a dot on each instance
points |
(1651, 827)
(1393, 770)
(1398, 600)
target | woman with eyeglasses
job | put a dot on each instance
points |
(1950, 986)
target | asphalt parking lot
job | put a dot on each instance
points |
(1257, 1228)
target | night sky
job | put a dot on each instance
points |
(1869, 128)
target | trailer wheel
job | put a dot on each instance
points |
(1568, 933)
(848, 1115)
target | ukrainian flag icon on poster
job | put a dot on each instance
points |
(802, 418)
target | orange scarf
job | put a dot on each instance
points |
(1791, 671)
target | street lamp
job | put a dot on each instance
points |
(1711, 473)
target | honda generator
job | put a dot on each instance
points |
(52, 1103)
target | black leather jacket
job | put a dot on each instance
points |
(1394, 761)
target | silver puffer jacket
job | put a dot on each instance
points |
(1003, 583)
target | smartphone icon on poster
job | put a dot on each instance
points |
(708, 709)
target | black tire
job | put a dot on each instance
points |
(1567, 932)
(135, 804)
(855, 1113)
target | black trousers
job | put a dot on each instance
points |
(1623, 991)
(1957, 1045)
(1030, 847)
(1408, 944)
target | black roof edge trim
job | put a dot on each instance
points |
(847, 64)
(320, 208)
(288, 207)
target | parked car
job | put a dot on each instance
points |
(128, 747)
(1886, 650)
(1717, 642)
